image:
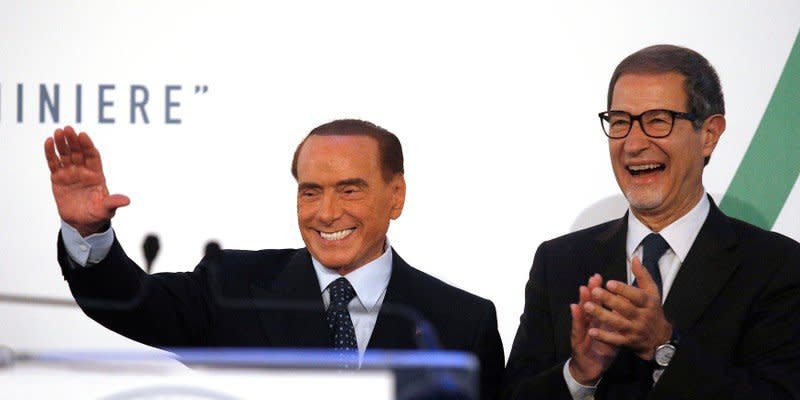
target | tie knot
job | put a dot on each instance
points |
(341, 292)
(654, 247)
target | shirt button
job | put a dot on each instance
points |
(84, 247)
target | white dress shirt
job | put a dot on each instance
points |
(369, 282)
(680, 236)
(86, 250)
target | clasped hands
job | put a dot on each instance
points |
(618, 315)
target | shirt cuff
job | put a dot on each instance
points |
(578, 391)
(86, 250)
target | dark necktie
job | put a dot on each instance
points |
(654, 247)
(344, 335)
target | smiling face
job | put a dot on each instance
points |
(344, 204)
(661, 178)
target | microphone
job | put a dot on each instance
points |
(213, 250)
(150, 246)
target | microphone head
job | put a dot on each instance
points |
(213, 250)
(150, 246)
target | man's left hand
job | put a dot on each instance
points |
(634, 316)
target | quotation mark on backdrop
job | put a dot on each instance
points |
(200, 89)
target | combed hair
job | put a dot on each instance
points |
(389, 148)
(703, 90)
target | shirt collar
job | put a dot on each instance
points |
(369, 281)
(679, 235)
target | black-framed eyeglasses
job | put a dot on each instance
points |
(654, 123)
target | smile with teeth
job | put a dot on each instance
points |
(641, 169)
(338, 235)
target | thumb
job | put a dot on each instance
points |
(115, 201)
(643, 278)
(579, 324)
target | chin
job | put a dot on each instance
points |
(644, 199)
(332, 261)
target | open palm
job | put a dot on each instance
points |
(79, 185)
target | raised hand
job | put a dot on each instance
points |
(590, 357)
(631, 317)
(79, 185)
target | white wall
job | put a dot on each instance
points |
(495, 104)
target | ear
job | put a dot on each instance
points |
(712, 129)
(398, 185)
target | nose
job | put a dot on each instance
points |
(636, 141)
(329, 209)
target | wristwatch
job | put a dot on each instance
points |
(666, 351)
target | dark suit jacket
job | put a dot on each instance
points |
(735, 302)
(178, 309)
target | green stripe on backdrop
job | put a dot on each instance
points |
(771, 165)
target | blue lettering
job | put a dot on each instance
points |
(45, 100)
(19, 102)
(102, 104)
(78, 103)
(139, 104)
(169, 104)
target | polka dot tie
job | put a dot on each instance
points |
(344, 335)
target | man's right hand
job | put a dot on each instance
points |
(590, 357)
(79, 185)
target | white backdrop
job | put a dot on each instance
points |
(495, 104)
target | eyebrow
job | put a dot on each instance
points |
(344, 182)
(308, 185)
(352, 181)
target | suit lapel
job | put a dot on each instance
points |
(299, 316)
(711, 260)
(610, 251)
(393, 330)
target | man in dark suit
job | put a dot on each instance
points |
(675, 300)
(347, 289)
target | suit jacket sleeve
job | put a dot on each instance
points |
(534, 370)
(489, 350)
(765, 360)
(164, 310)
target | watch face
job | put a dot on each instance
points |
(664, 354)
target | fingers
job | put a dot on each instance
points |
(90, 153)
(595, 281)
(75, 153)
(583, 295)
(643, 278)
(70, 151)
(616, 303)
(62, 146)
(613, 319)
(50, 155)
(73, 149)
(584, 292)
(637, 296)
(608, 337)
(579, 325)
(580, 320)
